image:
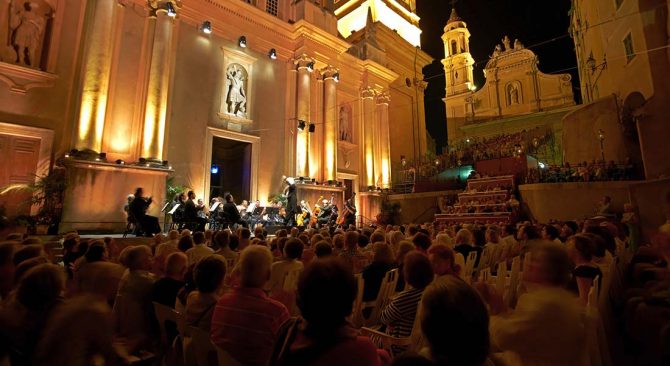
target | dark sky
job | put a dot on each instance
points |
(531, 21)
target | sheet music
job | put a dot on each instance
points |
(251, 207)
(215, 206)
(174, 209)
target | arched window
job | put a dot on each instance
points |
(454, 47)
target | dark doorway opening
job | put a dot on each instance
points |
(231, 169)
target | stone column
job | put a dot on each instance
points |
(97, 63)
(158, 48)
(368, 95)
(384, 173)
(302, 114)
(330, 126)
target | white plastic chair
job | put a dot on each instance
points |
(386, 291)
(470, 265)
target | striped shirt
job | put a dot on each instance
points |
(245, 324)
(399, 314)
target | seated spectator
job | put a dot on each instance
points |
(580, 250)
(199, 250)
(374, 273)
(24, 317)
(465, 244)
(6, 269)
(163, 250)
(323, 250)
(164, 291)
(133, 310)
(404, 247)
(209, 273)
(246, 321)
(185, 243)
(326, 293)
(422, 242)
(399, 314)
(451, 304)
(528, 333)
(291, 262)
(100, 279)
(84, 322)
(442, 259)
(351, 255)
(551, 233)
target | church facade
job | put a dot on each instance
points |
(514, 87)
(127, 93)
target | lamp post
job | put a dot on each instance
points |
(601, 137)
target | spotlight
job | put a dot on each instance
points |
(120, 162)
(301, 125)
(301, 179)
(170, 10)
(312, 127)
(67, 155)
(330, 182)
(336, 77)
(214, 169)
(313, 180)
(165, 163)
(142, 160)
(102, 156)
(437, 162)
(310, 66)
(243, 42)
(542, 166)
(206, 27)
(272, 54)
(371, 188)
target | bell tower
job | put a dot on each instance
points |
(458, 62)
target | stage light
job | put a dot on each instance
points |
(243, 42)
(214, 169)
(301, 125)
(542, 166)
(437, 162)
(67, 155)
(206, 27)
(313, 180)
(165, 163)
(142, 160)
(336, 77)
(312, 127)
(120, 162)
(467, 140)
(272, 54)
(310, 66)
(170, 10)
(370, 188)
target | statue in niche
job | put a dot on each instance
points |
(236, 98)
(513, 94)
(517, 44)
(25, 33)
(345, 124)
(506, 43)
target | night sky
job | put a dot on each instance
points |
(531, 21)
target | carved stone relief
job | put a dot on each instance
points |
(24, 28)
(236, 90)
(346, 129)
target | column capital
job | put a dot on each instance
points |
(368, 92)
(304, 61)
(330, 72)
(383, 98)
(166, 6)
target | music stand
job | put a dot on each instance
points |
(174, 209)
(215, 206)
(165, 207)
(258, 211)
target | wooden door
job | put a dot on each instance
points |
(18, 164)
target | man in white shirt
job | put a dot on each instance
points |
(200, 250)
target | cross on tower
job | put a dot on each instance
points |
(453, 3)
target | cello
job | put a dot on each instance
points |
(348, 210)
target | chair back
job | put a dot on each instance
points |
(487, 254)
(510, 295)
(485, 275)
(501, 277)
(459, 260)
(386, 291)
(291, 280)
(470, 265)
(592, 303)
(356, 313)
(205, 352)
(164, 314)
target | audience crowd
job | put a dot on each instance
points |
(294, 298)
(583, 172)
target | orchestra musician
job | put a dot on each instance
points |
(292, 209)
(348, 215)
(325, 212)
(191, 212)
(138, 209)
(231, 211)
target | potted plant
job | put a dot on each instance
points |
(46, 193)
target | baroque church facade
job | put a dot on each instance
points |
(514, 87)
(124, 93)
